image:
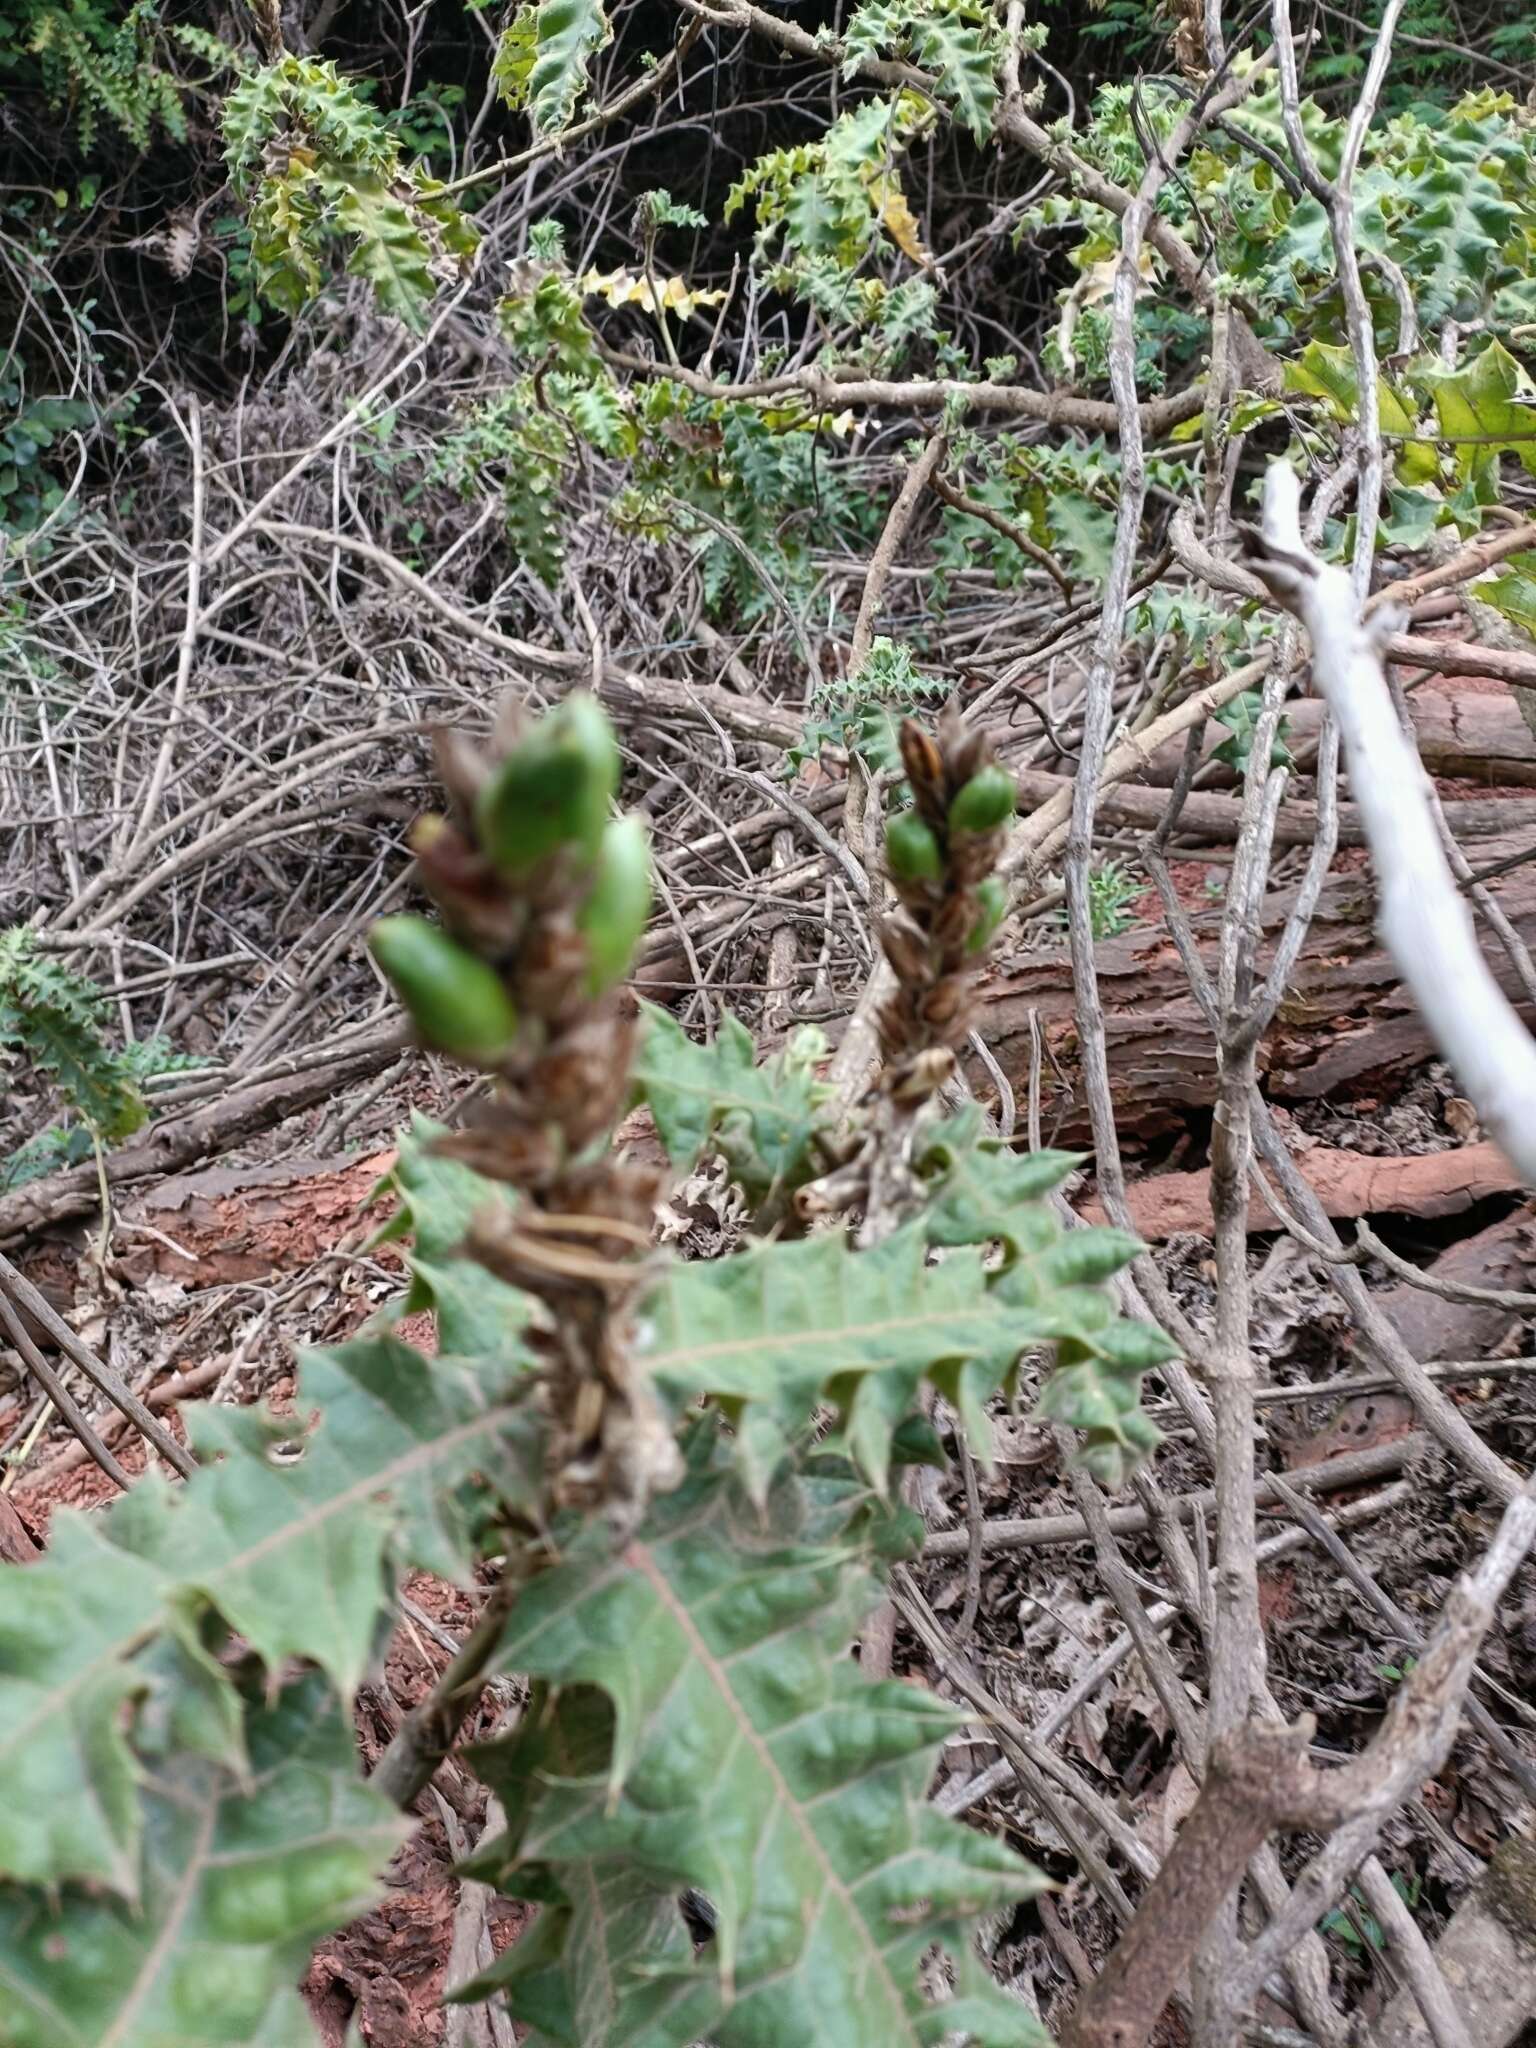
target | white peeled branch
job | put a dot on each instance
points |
(1423, 918)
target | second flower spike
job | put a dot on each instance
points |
(552, 792)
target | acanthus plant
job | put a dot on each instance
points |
(316, 166)
(685, 1470)
(52, 1021)
(1445, 198)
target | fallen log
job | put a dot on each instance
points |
(1345, 1025)
(199, 1134)
(1213, 815)
(251, 1223)
(1461, 731)
(17, 1545)
(1498, 1256)
(1348, 1184)
(1471, 733)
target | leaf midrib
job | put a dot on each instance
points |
(170, 1927)
(314, 1517)
(641, 1558)
(777, 1343)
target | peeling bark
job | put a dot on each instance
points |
(1487, 1956)
(1346, 1023)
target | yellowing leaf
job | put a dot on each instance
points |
(898, 219)
(1327, 372)
(794, 419)
(681, 297)
(653, 296)
(618, 287)
(1097, 282)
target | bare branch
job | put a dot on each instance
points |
(1423, 917)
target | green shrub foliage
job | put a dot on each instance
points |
(685, 1571)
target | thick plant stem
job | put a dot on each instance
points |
(1423, 919)
(426, 1735)
(1235, 1812)
(1260, 1778)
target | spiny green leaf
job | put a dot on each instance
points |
(659, 209)
(782, 1330)
(1454, 223)
(1483, 408)
(308, 101)
(871, 29)
(1511, 593)
(536, 520)
(438, 1199)
(44, 1153)
(56, 1018)
(513, 62)
(1085, 1257)
(293, 1551)
(1241, 715)
(1327, 372)
(748, 1759)
(252, 113)
(961, 45)
(316, 162)
(544, 320)
(67, 1626)
(597, 412)
(763, 1118)
(980, 1192)
(237, 1882)
(456, 231)
(775, 1326)
(1132, 1347)
(567, 35)
(389, 249)
(832, 198)
(1103, 1404)
(286, 230)
(397, 1436)
(1084, 531)
(576, 1975)
(815, 221)
(1408, 517)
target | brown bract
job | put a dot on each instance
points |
(929, 944)
(577, 1238)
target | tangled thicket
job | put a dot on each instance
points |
(863, 407)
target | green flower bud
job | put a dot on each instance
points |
(553, 790)
(1139, 1431)
(455, 1001)
(1106, 1461)
(991, 909)
(583, 721)
(988, 800)
(614, 915)
(911, 851)
(1094, 1407)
